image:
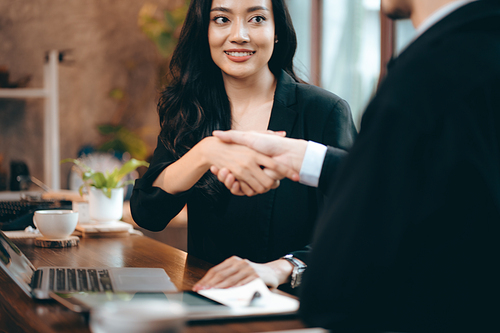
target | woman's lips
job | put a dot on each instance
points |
(239, 56)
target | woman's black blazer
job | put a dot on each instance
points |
(267, 226)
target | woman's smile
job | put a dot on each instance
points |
(239, 55)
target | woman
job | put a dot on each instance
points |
(240, 77)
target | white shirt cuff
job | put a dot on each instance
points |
(312, 163)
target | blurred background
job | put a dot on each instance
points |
(111, 57)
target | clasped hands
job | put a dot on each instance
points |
(277, 157)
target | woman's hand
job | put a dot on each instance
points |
(234, 272)
(235, 186)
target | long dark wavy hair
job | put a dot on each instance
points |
(195, 103)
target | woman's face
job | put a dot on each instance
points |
(241, 36)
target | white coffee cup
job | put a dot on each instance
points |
(55, 224)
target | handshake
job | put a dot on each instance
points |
(265, 159)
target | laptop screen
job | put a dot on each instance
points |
(15, 263)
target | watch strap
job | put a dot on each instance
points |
(298, 269)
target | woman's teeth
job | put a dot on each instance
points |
(239, 54)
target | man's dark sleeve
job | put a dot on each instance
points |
(333, 159)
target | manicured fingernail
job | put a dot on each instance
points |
(200, 287)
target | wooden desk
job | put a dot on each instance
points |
(19, 313)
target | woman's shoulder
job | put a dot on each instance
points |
(308, 94)
(314, 94)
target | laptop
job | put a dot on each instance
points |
(39, 283)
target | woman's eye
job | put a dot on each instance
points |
(221, 19)
(258, 19)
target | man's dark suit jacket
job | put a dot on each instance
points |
(410, 238)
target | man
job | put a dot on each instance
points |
(409, 237)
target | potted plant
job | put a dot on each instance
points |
(105, 190)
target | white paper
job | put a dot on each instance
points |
(240, 297)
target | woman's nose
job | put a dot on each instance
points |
(239, 33)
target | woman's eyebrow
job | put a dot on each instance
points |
(228, 10)
(221, 9)
(256, 8)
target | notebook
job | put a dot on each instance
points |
(38, 283)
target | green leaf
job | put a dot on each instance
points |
(164, 43)
(108, 181)
(128, 167)
(87, 175)
(179, 14)
(117, 94)
(99, 181)
(81, 165)
(132, 143)
(108, 128)
(112, 179)
(170, 23)
(128, 182)
(163, 32)
(80, 189)
(123, 140)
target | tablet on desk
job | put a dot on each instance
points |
(85, 301)
(198, 307)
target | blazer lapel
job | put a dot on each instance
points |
(283, 115)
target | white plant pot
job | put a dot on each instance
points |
(103, 209)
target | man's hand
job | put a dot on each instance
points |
(245, 164)
(287, 151)
(234, 272)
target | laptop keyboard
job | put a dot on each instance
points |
(17, 215)
(78, 279)
(10, 210)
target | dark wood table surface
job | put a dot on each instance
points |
(19, 313)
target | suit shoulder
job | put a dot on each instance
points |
(310, 94)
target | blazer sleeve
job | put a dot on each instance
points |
(333, 158)
(339, 136)
(151, 207)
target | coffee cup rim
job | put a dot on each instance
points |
(54, 211)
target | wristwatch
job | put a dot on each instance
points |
(298, 269)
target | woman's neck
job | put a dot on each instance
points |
(251, 100)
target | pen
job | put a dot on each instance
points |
(255, 296)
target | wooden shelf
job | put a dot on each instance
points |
(23, 93)
(49, 92)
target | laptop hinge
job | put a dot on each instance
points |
(36, 280)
